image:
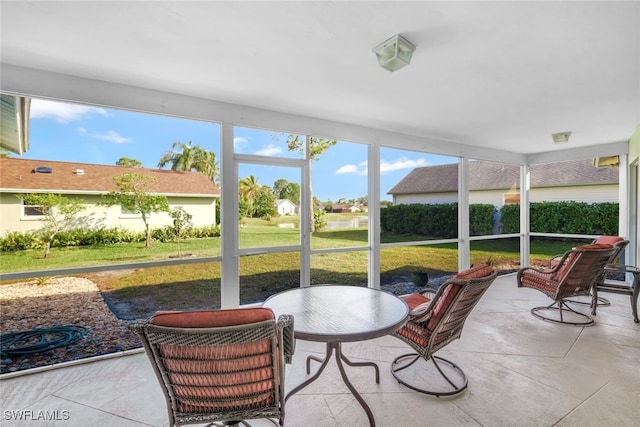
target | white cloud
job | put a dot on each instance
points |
(62, 113)
(360, 169)
(347, 169)
(402, 163)
(269, 150)
(239, 142)
(111, 136)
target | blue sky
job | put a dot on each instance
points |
(79, 133)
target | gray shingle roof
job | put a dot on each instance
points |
(485, 175)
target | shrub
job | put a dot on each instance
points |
(564, 217)
(318, 220)
(15, 241)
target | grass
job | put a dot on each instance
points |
(86, 256)
(139, 292)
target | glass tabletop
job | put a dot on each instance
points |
(336, 313)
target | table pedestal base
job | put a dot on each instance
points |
(340, 357)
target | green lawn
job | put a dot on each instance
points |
(198, 285)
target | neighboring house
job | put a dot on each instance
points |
(286, 207)
(338, 208)
(190, 190)
(498, 183)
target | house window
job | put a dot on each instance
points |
(33, 211)
(511, 198)
(125, 213)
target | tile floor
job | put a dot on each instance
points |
(522, 372)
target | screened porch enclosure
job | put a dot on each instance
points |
(261, 252)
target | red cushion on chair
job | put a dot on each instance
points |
(476, 272)
(211, 318)
(571, 258)
(415, 299)
(611, 240)
(594, 246)
(236, 374)
(417, 303)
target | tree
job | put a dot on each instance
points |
(181, 224)
(126, 161)
(284, 189)
(279, 187)
(317, 147)
(133, 197)
(187, 157)
(59, 213)
(248, 189)
(264, 204)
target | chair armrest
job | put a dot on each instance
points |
(554, 260)
(612, 268)
(138, 326)
(288, 342)
(420, 312)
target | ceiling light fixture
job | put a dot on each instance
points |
(561, 138)
(394, 53)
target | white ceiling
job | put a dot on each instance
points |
(502, 75)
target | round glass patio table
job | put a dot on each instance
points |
(334, 314)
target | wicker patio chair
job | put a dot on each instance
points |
(619, 244)
(434, 323)
(574, 275)
(220, 366)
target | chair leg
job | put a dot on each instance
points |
(233, 423)
(461, 385)
(601, 302)
(561, 307)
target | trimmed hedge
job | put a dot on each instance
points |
(441, 220)
(564, 218)
(435, 220)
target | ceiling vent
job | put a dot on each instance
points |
(79, 171)
(43, 169)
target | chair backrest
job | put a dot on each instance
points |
(454, 301)
(616, 241)
(218, 365)
(579, 268)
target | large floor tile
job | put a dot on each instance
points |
(522, 372)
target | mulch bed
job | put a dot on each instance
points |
(61, 301)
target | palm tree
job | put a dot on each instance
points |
(248, 189)
(187, 157)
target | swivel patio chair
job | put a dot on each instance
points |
(619, 244)
(574, 275)
(220, 366)
(434, 323)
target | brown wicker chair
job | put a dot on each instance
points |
(575, 274)
(434, 323)
(220, 366)
(596, 301)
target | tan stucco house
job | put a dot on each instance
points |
(498, 183)
(190, 190)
